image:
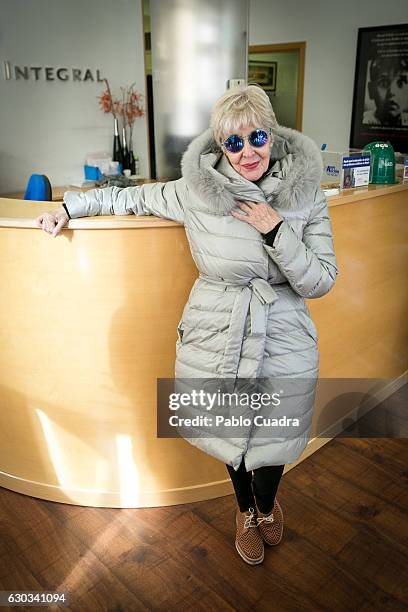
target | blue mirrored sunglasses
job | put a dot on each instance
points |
(235, 144)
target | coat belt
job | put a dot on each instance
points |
(254, 297)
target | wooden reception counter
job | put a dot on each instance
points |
(88, 323)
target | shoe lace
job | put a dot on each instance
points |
(269, 518)
(250, 519)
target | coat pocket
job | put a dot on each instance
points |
(310, 327)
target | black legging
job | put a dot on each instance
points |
(264, 481)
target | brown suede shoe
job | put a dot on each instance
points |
(271, 525)
(248, 540)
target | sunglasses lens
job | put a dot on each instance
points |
(234, 144)
(258, 138)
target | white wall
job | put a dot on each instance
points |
(330, 30)
(48, 127)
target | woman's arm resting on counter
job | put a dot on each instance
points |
(52, 222)
(308, 264)
(161, 199)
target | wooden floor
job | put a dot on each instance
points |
(344, 545)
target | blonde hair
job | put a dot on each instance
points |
(241, 107)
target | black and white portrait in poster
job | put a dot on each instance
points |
(380, 101)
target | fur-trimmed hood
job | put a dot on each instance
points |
(288, 185)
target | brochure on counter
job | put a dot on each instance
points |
(355, 171)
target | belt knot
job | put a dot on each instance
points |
(263, 290)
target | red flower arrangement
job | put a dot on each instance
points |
(109, 104)
(129, 108)
(132, 107)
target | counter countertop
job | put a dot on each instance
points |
(22, 213)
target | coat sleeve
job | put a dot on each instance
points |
(308, 264)
(165, 200)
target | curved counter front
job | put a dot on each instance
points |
(88, 323)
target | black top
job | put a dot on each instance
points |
(270, 236)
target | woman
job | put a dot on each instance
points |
(260, 234)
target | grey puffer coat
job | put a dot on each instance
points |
(246, 317)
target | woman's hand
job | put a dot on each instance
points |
(53, 222)
(261, 216)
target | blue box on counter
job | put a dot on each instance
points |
(92, 173)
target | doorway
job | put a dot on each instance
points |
(279, 70)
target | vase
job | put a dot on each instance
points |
(117, 154)
(131, 155)
(126, 165)
(132, 162)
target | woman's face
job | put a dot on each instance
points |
(251, 162)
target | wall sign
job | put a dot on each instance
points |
(50, 73)
(380, 101)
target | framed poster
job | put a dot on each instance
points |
(380, 99)
(263, 73)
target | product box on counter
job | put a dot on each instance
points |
(332, 165)
(355, 170)
(346, 169)
(405, 172)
